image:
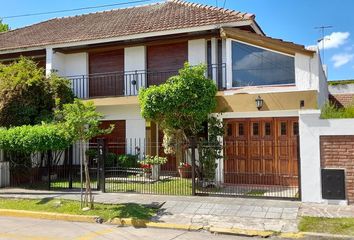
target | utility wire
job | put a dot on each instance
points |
(223, 6)
(74, 9)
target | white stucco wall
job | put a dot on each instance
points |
(135, 124)
(197, 51)
(323, 92)
(134, 60)
(311, 128)
(341, 88)
(310, 75)
(74, 66)
(68, 64)
(304, 76)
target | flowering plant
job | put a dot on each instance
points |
(184, 165)
(154, 160)
(146, 167)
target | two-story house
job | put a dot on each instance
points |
(263, 82)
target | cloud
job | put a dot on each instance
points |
(341, 59)
(334, 40)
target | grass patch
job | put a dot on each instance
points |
(172, 186)
(256, 192)
(330, 111)
(340, 82)
(105, 211)
(343, 226)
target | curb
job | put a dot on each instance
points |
(146, 223)
(241, 232)
(49, 216)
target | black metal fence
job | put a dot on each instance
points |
(120, 167)
(128, 83)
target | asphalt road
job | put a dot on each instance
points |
(33, 229)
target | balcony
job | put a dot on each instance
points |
(118, 84)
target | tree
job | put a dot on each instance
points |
(27, 96)
(210, 150)
(180, 106)
(4, 27)
(81, 123)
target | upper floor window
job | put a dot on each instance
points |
(253, 66)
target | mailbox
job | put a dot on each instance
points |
(333, 184)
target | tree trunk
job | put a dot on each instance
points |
(88, 199)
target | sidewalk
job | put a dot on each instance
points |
(219, 212)
(239, 213)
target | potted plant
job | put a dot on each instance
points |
(185, 170)
(155, 162)
(146, 170)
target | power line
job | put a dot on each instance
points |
(223, 6)
(74, 9)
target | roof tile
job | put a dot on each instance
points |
(169, 15)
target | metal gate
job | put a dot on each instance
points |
(112, 171)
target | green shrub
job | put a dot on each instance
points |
(38, 138)
(111, 160)
(330, 110)
(128, 160)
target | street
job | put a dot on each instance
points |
(34, 229)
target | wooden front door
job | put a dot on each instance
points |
(106, 73)
(261, 151)
(116, 140)
(164, 61)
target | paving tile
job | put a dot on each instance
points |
(176, 210)
(195, 205)
(289, 216)
(189, 210)
(273, 215)
(258, 214)
(233, 207)
(260, 209)
(243, 213)
(203, 211)
(216, 211)
(220, 206)
(246, 208)
(290, 210)
(232, 213)
(207, 205)
(275, 210)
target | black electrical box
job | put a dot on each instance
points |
(333, 184)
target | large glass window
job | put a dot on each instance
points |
(252, 66)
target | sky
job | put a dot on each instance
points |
(290, 20)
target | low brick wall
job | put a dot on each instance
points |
(341, 100)
(338, 152)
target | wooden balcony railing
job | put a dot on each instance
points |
(116, 84)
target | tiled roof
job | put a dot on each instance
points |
(169, 15)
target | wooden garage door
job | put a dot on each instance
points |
(106, 78)
(261, 151)
(165, 60)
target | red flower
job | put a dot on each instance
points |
(145, 166)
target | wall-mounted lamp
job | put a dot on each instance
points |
(259, 102)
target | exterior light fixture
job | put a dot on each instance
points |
(259, 102)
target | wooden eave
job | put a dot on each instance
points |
(263, 41)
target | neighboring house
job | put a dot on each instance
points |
(341, 92)
(110, 55)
